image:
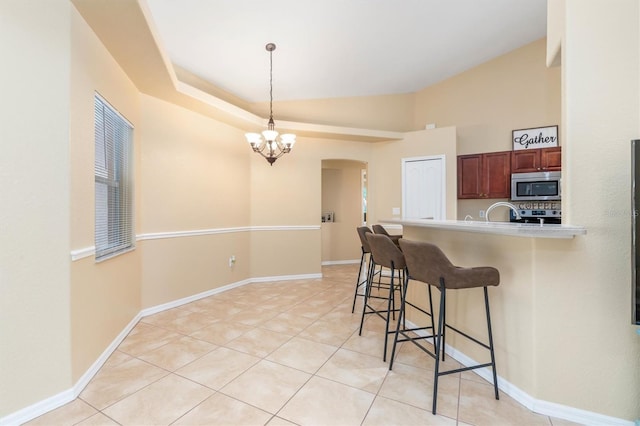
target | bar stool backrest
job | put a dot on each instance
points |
(362, 233)
(385, 252)
(427, 263)
(379, 229)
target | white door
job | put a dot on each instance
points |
(423, 188)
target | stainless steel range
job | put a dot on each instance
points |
(537, 212)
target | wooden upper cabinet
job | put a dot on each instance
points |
(497, 174)
(536, 160)
(484, 175)
(551, 159)
(470, 176)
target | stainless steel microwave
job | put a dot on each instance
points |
(538, 186)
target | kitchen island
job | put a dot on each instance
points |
(524, 305)
(532, 230)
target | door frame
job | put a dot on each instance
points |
(443, 162)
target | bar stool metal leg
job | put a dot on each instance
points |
(401, 317)
(358, 282)
(444, 329)
(391, 306)
(438, 347)
(493, 356)
(367, 291)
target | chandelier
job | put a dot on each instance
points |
(268, 144)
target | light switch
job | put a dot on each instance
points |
(395, 211)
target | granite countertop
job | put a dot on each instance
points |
(531, 230)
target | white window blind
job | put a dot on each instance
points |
(113, 184)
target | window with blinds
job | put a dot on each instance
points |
(114, 232)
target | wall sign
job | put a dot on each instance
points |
(538, 137)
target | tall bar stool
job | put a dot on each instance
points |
(379, 229)
(364, 260)
(387, 254)
(428, 264)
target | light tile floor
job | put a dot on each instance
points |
(282, 353)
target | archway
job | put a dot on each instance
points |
(344, 191)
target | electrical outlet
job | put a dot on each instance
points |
(232, 261)
(481, 213)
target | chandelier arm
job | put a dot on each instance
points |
(278, 151)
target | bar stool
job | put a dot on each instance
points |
(379, 229)
(428, 264)
(366, 250)
(384, 253)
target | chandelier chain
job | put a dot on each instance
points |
(271, 84)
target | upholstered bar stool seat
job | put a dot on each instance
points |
(384, 253)
(428, 264)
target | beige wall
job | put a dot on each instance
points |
(195, 171)
(342, 195)
(34, 219)
(588, 295)
(194, 177)
(104, 296)
(486, 103)
(385, 170)
(286, 194)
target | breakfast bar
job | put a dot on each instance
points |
(529, 258)
(532, 230)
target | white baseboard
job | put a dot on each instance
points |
(340, 262)
(286, 278)
(58, 400)
(179, 302)
(577, 415)
(546, 408)
(39, 408)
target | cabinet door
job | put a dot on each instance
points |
(551, 159)
(469, 176)
(497, 174)
(525, 161)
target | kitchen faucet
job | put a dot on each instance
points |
(501, 204)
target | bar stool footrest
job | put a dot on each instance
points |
(473, 339)
(460, 370)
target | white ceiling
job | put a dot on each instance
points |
(340, 48)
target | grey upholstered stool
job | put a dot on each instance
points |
(366, 253)
(384, 253)
(428, 264)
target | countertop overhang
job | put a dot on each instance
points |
(531, 230)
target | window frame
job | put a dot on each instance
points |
(114, 227)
